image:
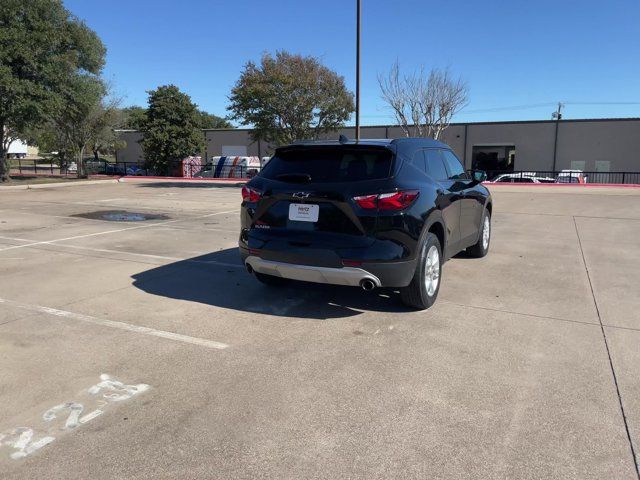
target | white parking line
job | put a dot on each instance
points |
(122, 252)
(81, 220)
(65, 217)
(48, 242)
(119, 325)
(16, 239)
(159, 257)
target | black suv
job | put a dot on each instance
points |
(372, 213)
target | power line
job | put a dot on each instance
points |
(513, 107)
(522, 107)
(540, 105)
(601, 103)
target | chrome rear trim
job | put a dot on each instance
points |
(350, 276)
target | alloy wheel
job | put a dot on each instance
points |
(486, 233)
(432, 270)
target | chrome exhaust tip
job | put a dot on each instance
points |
(249, 268)
(367, 284)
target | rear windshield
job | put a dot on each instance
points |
(329, 164)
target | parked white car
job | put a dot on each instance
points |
(524, 177)
(571, 176)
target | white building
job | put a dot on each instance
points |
(18, 149)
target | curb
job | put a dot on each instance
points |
(223, 181)
(36, 186)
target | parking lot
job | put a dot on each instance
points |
(526, 367)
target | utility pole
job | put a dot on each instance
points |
(558, 116)
(358, 14)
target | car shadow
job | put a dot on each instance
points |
(219, 279)
(463, 254)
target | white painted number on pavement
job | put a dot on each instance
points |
(113, 385)
(21, 439)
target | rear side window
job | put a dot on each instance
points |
(455, 168)
(329, 164)
(435, 165)
(419, 161)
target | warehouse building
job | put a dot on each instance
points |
(594, 145)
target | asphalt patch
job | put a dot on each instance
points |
(121, 216)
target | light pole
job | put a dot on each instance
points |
(558, 116)
(358, 11)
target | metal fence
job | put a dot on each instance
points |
(37, 167)
(103, 167)
(215, 170)
(563, 176)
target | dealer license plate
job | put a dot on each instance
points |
(303, 212)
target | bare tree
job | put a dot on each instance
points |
(85, 119)
(102, 122)
(423, 105)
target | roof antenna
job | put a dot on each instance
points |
(343, 139)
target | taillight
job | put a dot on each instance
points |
(250, 195)
(387, 201)
(397, 200)
(366, 201)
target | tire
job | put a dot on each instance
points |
(423, 290)
(271, 280)
(481, 248)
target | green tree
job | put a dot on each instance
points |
(49, 138)
(290, 97)
(42, 46)
(133, 118)
(82, 117)
(104, 138)
(172, 129)
(209, 120)
(86, 119)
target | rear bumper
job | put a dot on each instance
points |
(349, 276)
(383, 274)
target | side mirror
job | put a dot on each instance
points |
(478, 176)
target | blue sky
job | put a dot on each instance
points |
(512, 53)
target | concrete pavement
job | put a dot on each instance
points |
(522, 369)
